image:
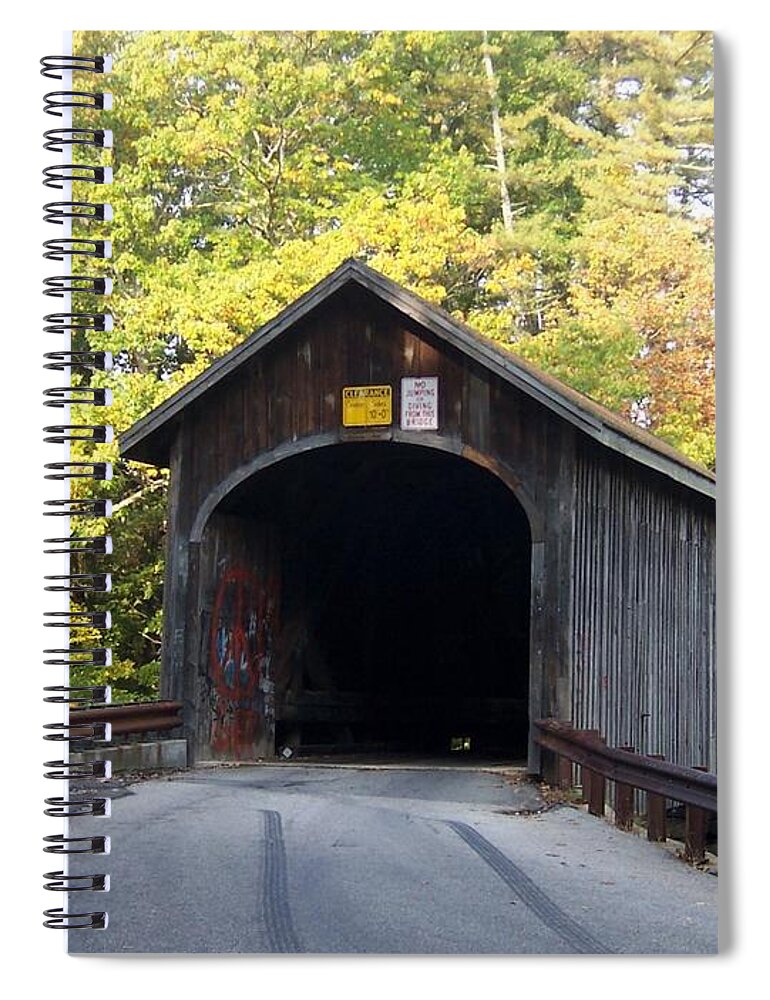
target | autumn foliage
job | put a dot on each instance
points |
(552, 189)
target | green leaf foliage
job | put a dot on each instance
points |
(249, 164)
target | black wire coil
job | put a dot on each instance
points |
(55, 102)
(61, 882)
(59, 920)
(61, 808)
(59, 285)
(60, 249)
(80, 583)
(98, 544)
(86, 211)
(95, 656)
(59, 361)
(80, 735)
(53, 65)
(71, 736)
(86, 694)
(58, 844)
(78, 470)
(70, 322)
(65, 770)
(91, 507)
(94, 433)
(57, 138)
(84, 395)
(85, 173)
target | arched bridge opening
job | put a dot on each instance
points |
(368, 595)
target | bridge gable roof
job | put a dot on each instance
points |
(149, 439)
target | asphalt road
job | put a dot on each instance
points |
(292, 858)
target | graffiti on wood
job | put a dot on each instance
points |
(243, 626)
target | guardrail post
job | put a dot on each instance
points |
(695, 831)
(694, 834)
(593, 782)
(595, 791)
(564, 771)
(656, 811)
(624, 801)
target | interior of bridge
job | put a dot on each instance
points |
(405, 601)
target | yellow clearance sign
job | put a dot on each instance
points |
(367, 406)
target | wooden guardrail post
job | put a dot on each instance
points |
(593, 782)
(694, 834)
(624, 801)
(564, 771)
(695, 831)
(593, 791)
(656, 811)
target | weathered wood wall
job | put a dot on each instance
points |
(644, 611)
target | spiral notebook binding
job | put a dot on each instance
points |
(86, 694)
(84, 395)
(70, 141)
(98, 544)
(60, 882)
(95, 433)
(57, 138)
(78, 619)
(60, 808)
(91, 507)
(54, 65)
(59, 920)
(58, 101)
(61, 249)
(59, 361)
(64, 322)
(78, 735)
(78, 470)
(95, 656)
(59, 844)
(87, 211)
(66, 769)
(64, 284)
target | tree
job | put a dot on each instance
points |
(553, 189)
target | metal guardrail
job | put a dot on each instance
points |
(694, 787)
(139, 717)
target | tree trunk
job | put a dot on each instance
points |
(497, 134)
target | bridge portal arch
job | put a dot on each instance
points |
(378, 594)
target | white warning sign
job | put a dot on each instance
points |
(419, 404)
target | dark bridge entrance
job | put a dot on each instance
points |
(405, 599)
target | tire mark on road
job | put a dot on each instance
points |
(281, 936)
(569, 930)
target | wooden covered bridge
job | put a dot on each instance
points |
(383, 529)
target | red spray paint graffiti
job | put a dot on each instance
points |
(242, 627)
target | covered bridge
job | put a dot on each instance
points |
(385, 530)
